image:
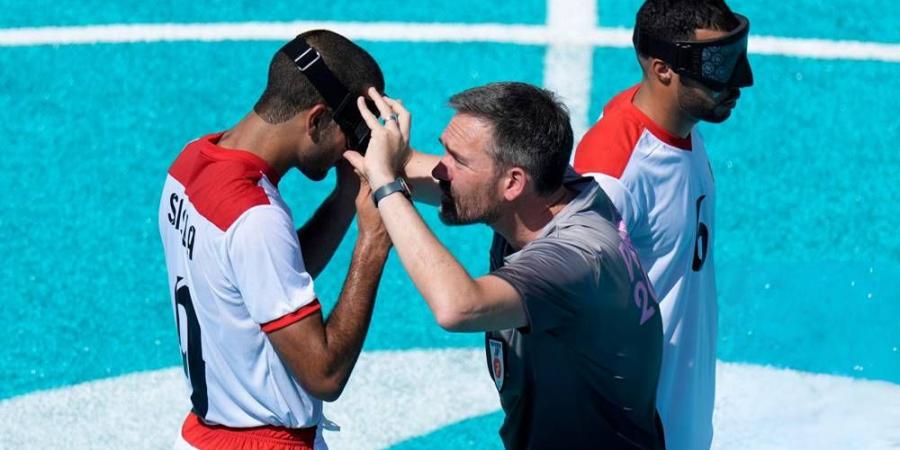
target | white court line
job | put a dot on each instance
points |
(397, 395)
(418, 32)
(568, 68)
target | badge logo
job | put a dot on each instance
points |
(497, 368)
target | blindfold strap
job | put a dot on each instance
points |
(311, 64)
(685, 55)
(679, 57)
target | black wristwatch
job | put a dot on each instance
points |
(398, 185)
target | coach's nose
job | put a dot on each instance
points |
(440, 172)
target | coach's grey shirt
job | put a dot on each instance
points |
(583, 373)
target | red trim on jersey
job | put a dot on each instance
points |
(608, 145)
(216, 437)
(683, 143)
(221, 183)
(296, 316)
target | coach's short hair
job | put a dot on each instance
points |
(288, 92)
(675, 20)
(531, 129)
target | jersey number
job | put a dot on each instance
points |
(702, 243)
(191, 351)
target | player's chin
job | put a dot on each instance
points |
(315, 174)
(719, 114)
(319, 175)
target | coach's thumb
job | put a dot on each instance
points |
(357, 161)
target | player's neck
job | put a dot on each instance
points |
(663, 111)
(254, 135)
(529, 216)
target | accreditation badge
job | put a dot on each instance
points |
(497, 368)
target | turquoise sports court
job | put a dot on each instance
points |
(96, 98)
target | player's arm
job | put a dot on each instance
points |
(320, 236)
(321, 354)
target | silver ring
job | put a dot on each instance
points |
(382, 121)
(393, 117)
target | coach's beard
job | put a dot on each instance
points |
(454, 211)
(447, 211)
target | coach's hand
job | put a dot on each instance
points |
(388, 149)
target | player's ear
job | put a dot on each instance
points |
(513, 183)
(316, 120)
(660, 70)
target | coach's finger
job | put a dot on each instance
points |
(403, 117)
(387, 114)
(358, 162)
(367, 115)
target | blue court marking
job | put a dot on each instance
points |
(872, 20)
(807, 250)
(97, 12)
(817, 317)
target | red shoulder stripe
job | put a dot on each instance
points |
(608, 145)
(294, 317)
(220, 183)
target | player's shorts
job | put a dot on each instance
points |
(197, 435)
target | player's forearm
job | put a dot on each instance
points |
(418, 174)
(348, 323)
(444, 283)
(322, 234)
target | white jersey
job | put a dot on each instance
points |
(235, 273)
(663, 188)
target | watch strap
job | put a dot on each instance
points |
(398, 185)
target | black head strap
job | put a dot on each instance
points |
(341, 101)
(310, 63)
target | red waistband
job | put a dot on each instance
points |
(206, 436)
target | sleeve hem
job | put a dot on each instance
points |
(291, 318)
(525, 329)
